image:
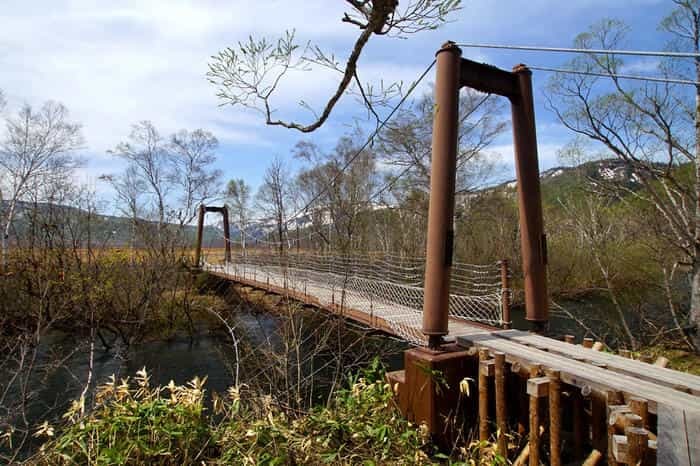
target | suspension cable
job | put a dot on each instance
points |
(616, 75)
(369, 140)
(643, 53)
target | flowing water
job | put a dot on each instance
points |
(208, 352)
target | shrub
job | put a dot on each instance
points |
(133, 423)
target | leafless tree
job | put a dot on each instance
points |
(238, 193)
(338, 187)
(38, 149)
(274, 197)
(129, 188)
(250, 73)
(653, 127)
(407, 141)
(405, 150)
(147, 153)
(193, 154)
(165, 181)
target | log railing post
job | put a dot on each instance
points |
(537, 387)
(505, 294)
(554, 418)
(501, 413)
(637, 444)
(485, 373)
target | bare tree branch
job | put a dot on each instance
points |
(249, 74)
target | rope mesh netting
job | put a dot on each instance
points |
(383, 286)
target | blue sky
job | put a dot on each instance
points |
(116, 63)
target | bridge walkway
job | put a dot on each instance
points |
(671, 396)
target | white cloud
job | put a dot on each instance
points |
(115, 63)
(645, 66)
(546, 155)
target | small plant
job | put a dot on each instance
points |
(361, 426)
(133, 423)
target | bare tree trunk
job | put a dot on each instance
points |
(694, 316)
(695, 287)
(616, 303)
(4, 250)
(6, 232)
(672, 307)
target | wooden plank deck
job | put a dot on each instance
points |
(584, 375)
(661, 375)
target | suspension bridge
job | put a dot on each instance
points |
(382, 291)
(385, 292)
(469, 375)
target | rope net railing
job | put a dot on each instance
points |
(383, 286)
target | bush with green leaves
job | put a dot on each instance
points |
(133, 423)
(360, 426)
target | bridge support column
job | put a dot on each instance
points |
(440, 239)
(533, 242)
(227, 235)
(200, 232)
(452, 73)
(429, 390)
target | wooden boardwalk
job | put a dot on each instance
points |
(673, 397)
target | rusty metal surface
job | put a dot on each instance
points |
(532, 237)
(442, 191)
(488, 79)
(431, 390)
(203, 209)
(227, 234)
(452, 73)
(200, 231)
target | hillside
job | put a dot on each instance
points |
(564, 179)
(107, 230)
(115, 231)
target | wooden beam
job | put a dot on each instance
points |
(661, 361)
(612, 398)
(637, 444)
(640, 407)
(538, 387)
(534, 440)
